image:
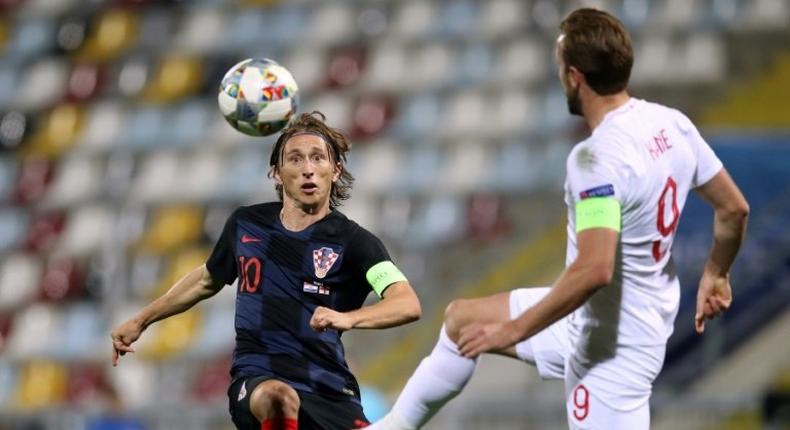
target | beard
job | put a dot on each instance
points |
(574, 101)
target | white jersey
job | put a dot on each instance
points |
(648, 157)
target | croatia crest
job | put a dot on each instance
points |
(323, 259)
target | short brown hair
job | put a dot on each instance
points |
(339, 145)
(598, 45)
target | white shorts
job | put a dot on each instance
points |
(549, 350)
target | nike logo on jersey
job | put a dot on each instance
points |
(249, 239)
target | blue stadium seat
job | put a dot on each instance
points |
(84, 332)
(457, 18)
(8, 173)
(13, 227)
(32, 38)
(418, 116)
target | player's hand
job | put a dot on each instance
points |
(325, 318)
(122, 338)
(475, 339)
(713, 297)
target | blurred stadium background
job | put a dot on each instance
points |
(114, 181)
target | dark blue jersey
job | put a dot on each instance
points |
(283, 276)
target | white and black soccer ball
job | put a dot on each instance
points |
(258, 96)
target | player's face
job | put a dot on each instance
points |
(307, 171)
(571, 88)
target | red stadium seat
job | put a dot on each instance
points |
(63, 279)
(35, 175)
(346, 66)
(85, 82)
(212, 380)
(371, 116)
(44, 231)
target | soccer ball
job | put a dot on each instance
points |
(258, 96)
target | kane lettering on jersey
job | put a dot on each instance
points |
(283, 276)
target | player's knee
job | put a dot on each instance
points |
(273, 399)
(455, 318)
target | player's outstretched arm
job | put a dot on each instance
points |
(399, 305)
(197, 285)
(729, 229)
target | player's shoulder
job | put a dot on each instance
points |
(353, 230)
(669, 114)
(259, 211)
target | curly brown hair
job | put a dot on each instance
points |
(598, 45)
(339, 146)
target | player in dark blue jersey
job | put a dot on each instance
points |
(304, 271)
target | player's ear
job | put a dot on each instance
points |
(275, 174)
(575, 77)
(338, 170)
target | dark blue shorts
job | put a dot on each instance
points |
(316, 412)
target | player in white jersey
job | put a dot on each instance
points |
(604, 324)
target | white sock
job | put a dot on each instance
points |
(439, 378)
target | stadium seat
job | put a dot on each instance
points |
(63, 279)
(467, 113)
(35, 176)
(84, 333)
(763, 14)
(45, 7)
(473, 65)
(37, 329)
(177, 77)
(307, 67)
(657, 55)
(171, 228)
(373, 19)
(705, 59)
(87, 387)
(346, 66)
(211, 379)
(387, 67)
(201, 31)
(435, 222)
(336, 106)
(216, 333)
(157, 178)
(250, 167)
(57, 132)
(332, 23)
(456, 18)
(515, 167)
(135, 381)
(112, 33)
(20, 275)
(85, 82)
(422, 164)
(377, 167)
(431, 64)
(680, 13)
(174, 335)
(187, 123)
(13, 226)
(77, 180)
(200, 175)
(287, 28)
(9, 378)
(89, 229)
(103, 123)
(31, 38)
(44, 230)
(413, 19)
(9, 76)
(417, 116)
(42, 83)
(363, 211)
(42, 384)
(514, 111)
(502, 17)
(156, 25)
(522, 61)
(371, 116)
(71, 33)
(8, 174)
(465, 167)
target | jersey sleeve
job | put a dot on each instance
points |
(592, 172)
(221, 264)
(368, 257)
(708, 164)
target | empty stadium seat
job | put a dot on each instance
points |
(20, 275)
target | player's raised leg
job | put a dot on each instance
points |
(444, 373)
(264, 404)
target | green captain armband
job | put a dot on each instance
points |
(595, 212)
(382, 275)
